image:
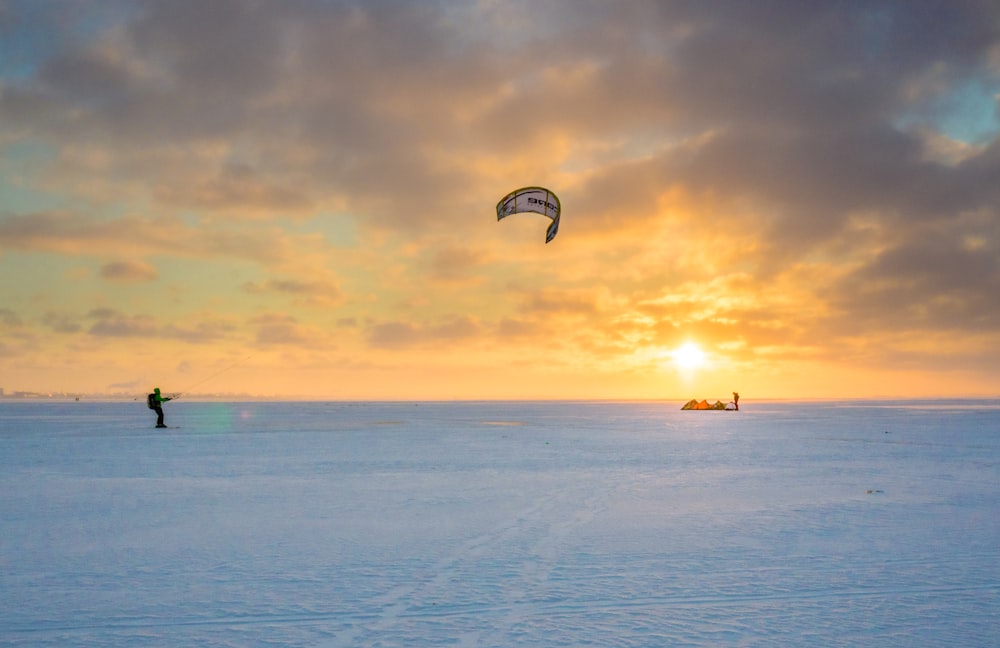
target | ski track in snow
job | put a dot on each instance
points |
(626, 526)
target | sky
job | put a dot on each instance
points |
(297, 199)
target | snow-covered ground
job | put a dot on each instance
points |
(500, 524)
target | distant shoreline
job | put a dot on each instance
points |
(746, 403)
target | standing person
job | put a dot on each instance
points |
(736, 400)
(153, 401)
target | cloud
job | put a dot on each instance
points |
(393, 335)
(301, 92)
(201, 332)
(9, 318)
(400, 335)
(564, 302)
(274, 329)
(110, 323)
(128, 271)
(795, 177)
(86, 234)
(238, 188)
(116, 325)
(318, 291)
(61, 322)
(454, 264)
(381, 109)
(936, 278)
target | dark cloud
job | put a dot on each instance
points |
(128, 271)
(114, 324)
(9, 318)
(352, 100)
(61, 322)
(200, 332)
(237, 187)
(118, 325)
(399, 335)
(393, 335)
(934, 280)
(277, 329)
(81, 233)
(312, 99)
(318, 292)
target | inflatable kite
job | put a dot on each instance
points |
(532, 199)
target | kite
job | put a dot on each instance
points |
(532, 199)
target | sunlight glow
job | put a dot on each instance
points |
(688, 356)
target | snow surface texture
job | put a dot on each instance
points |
(500, 524)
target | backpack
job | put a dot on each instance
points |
(151, 401)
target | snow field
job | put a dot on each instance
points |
(500, 524)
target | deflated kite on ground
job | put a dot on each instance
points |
(532, 199)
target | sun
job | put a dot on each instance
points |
(688, 356)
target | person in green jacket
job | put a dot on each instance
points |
(153, 401)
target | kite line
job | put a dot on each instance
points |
(217, 373)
